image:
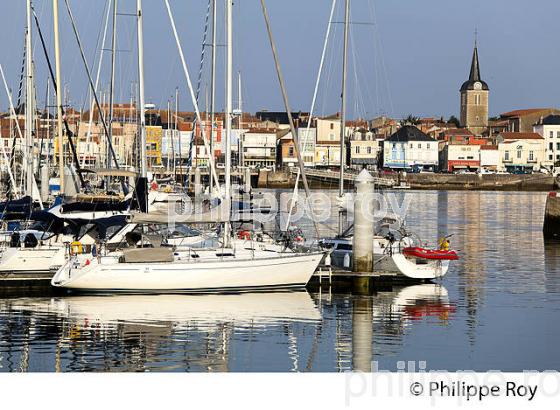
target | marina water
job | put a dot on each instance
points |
(497, 308)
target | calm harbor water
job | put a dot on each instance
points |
(498, 308)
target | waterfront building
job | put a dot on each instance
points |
(258, 148)
(549, 128)
(456, 157)
(364, 148)
(327, 147)
(410, 148)
(287, 156)
(520, 151)
(489, 157)
(474, 99)
(154, 134)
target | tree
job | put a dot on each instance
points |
(411, 120)
(454, 120)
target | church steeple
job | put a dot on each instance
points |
(475, 67)
(475, 80)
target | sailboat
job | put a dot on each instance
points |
(240, 263)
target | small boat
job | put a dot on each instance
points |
(396, 251)
(430, 254)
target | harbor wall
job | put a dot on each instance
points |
(489, 182)
(428, 181)
(551, 227)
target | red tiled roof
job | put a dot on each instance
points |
(458, 131)
(488, 147)
(521, 136)
(521, 113)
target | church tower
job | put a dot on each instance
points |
(474, 99)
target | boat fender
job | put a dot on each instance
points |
(346, 262)
(246, 235)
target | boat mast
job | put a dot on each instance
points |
(343, 107)
(227, 116)
(58, 97)
(29, 90)
(239, 118)
(213, 87)
(176, 133)
(112, 84)
(142, 108)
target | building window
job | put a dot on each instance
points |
(411, 146)
(291, 151)
(357, 150)
(332, 126)
(551, 146)
(558, 145)
(428, 146)
(531, 156)
(558, 134)
(506, 155)
(551, 134)
(419, 146)
(518, 154)
(550, 157)
(369, 150)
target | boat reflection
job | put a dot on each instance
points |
(380, 322)
(280, 331)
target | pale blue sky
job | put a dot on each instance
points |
(412, 61)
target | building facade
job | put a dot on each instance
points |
(520, 152)
(410, 148)
(549, 128)
(258, 148)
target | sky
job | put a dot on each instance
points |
(405, 56)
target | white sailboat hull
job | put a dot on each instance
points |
(227, 274)
(392, 263)
(40, 260)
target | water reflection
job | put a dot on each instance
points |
(506, 287)
(290, 331)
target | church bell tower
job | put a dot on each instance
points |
(474, 99)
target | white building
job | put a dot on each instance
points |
(410, 148)
(520, 151)
(489, 157)
(457, 157)
(175, 143)
(258, 148)
(307, 143)
(549, 128)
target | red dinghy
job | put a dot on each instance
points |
(432, 254)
